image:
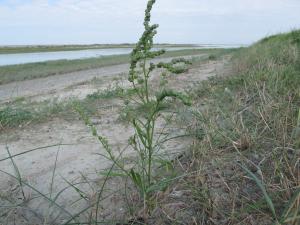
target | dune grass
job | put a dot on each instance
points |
(247, 130)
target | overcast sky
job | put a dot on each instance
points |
(120, 21)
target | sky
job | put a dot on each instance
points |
(34, 22)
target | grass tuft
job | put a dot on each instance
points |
(10, 117)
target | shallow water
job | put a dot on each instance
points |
(22, 58)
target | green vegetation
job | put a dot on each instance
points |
(112, 92)
(10, 117)
(18, 114)
(21, 112)
(43, 69)
(143, 142)
(247, 134)
(55, 48)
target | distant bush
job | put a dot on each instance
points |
(212, 57)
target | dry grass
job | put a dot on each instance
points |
(244, 164)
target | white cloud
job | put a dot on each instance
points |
(90, 21)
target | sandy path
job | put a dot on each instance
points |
(53, 85)
(77, 159)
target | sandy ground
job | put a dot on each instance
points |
(77, 159)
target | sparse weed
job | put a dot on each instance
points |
(11, 117)
(143, 142)
(112, 92)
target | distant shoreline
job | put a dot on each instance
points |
(14, 49)
(55, 48)
(30, 71)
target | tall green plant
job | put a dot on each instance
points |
(143, 140)
(139, 75)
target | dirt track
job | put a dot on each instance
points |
(58, 86)
(77, 159)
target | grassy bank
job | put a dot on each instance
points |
(57, 48)
(43, 69)
(245, 161)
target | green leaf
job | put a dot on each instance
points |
(112, 174)
(290, 205)
(167, 164)
(137, 179)
(159, 186)
(142, 135)
(263, 189)
(170, 93)
(80, 192)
